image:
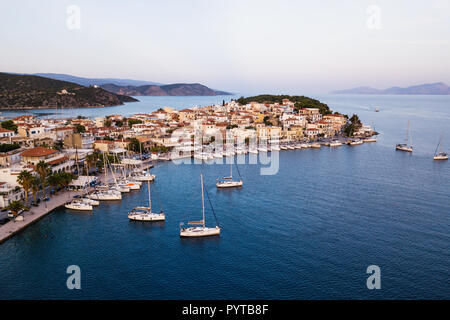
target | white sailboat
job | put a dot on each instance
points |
(78, 205)
(407, 147)
(356, 142)
(199, 229)
(227, 182)
(438, 154)
(145, 213)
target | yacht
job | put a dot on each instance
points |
(262, 149)
(199, 228)
(105, 195)
(356, 142)
(78, 205)
(227, 182)
(407, 146)
(305, 145)
(298, 146)
(283, 147)
(315, 145)
(290, 147)
(253, 150)
(145, 213)
(92, 202)
(438, 154)
(370, 139)
(335, 143)
(144, 176)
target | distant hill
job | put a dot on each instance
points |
(28, 91)
(177, 89)
(437, 88)
(299, 101)
(95, 81)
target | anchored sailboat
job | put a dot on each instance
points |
(227, 182)
(438, 154)
(407, 147)
(200, 230)
(145, 213)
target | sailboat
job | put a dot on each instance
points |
(227, 182)
(200, 230)
(407, 147)
(438, 154)
(145, 213)
(143, 175)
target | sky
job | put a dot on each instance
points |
(283, 46)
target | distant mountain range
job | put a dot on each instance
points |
(437, 88)
(177, 89)
(29, 92)
(95, 81)
(138, 87)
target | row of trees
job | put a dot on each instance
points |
(45, 178)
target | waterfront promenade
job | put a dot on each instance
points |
(34, 214)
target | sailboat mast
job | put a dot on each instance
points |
(231, 170)
(407, 135)
(439, 143)
(104, 166)
(203, 201)
(149, 197)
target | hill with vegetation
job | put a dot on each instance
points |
(29, 92)
(177, 89)
(299, 101)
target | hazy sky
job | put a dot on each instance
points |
(241, 46)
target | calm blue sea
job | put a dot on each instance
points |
(307, 232)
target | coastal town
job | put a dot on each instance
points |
(43, 158)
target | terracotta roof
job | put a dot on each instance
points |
(38, 152)
(4, 130)
(58, 161)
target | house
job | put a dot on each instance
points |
(9, 193)
(5, 133)
(57, 161)
(104, 145)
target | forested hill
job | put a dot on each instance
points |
(28, 92)
(300, 101)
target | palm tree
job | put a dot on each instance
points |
(43, 170)
(15, 207)
(66, 179)
(54, 180)
(35, 184)
(25, 179)
(90, 161)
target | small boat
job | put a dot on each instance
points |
(298, 146)
(283, 147)
(199, 229)
(254, 151)
(144, 176)
(377, 110)
(370, 140)
(290, 147)
(145, 213)
(305, 145)
(105, 195)
(262, 149)
(407, 146)
(227, 182)
(356, 142)
(275, 147)
(438, 154)
(78, 205)
(335, 143)
(92, 202)
(315, 145)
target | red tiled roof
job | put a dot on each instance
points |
(38, 152)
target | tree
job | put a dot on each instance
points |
(25, 179)
(133, 121)
(80, 128)
(6, 147)
(43, 170)
(119, 123)
(15, 207)
(58, 145)
(54, 181)
(35, 185)
(108, 123)
(134, 145)
(9, 125)
(90, 161)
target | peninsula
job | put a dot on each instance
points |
(33, 92)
